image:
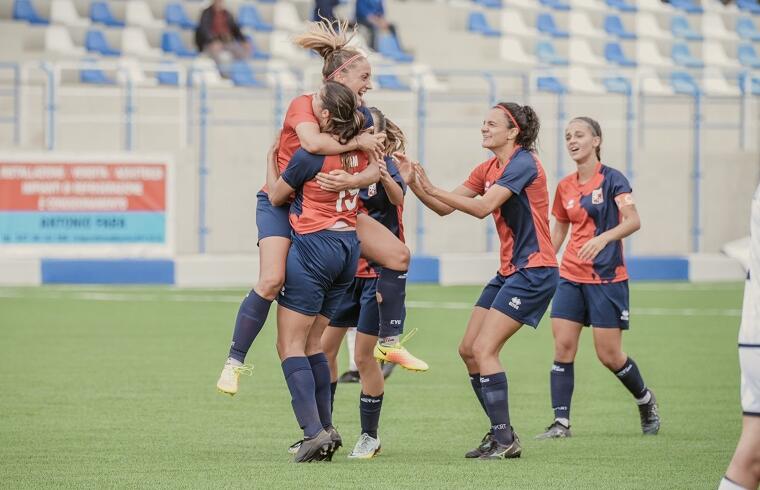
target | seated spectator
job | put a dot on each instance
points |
(219, 36)
(323, 9)
(371, 14)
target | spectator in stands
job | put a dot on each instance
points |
(371, 14)
(323, 9)
(219, 36)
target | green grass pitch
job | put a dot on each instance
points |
(114, 387)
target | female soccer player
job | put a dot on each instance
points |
(359, 307)
(320, 266)
(593, 288)
(513, 188)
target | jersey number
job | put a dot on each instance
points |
(349, 202)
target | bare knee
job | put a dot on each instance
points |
(564, 351)
(465, 352)
(270, 285)
(612, 360)
(364, 360)
(404, 257)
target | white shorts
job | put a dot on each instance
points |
(749, 332)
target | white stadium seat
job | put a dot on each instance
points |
(580, 53)
(138, 13)
(593, 5)
(512, 50)
(714, 28)
(651, 84)
(64, 12)
(512, 23)
(647, 27)
(579, 80)
(714, 83)
(286, 17)
(134, 42)
(714, 55)
(580, 25)
(653, 6)
(648, 54)
(58, 40)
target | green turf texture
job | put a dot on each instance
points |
(102, 393)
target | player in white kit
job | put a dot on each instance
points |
(744, 470)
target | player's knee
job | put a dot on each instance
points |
(564, 351)
(482, 351)
(364, 360)
(465, 352)
(610, 359)
(404, 257)
(270, 285)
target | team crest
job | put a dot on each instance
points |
(596, 196)
(372, 190)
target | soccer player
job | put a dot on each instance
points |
(744, 470)
(321, 264)
(596, 205)
(300, 129)
(513, 188)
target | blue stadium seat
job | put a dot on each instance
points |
(491, 4)
(257, 53)
(94, 75)
(391, 82)
(545, 23)
(477, 22)
(24, 10)
(750, 6)
(746, 29)
(753, 84)
(387, 45)
(100, 13)
(682, 56)
(622, 5)
(550, 84)
(683, 83)
(242, 75)
(613, 52)
(95, 42)
(556, 4)
(248, 16)
(175, 15)
(748, 56)
(546, 53)
(171, 42)
(617, 85)
(688, 6)
(613, 25)
(680, 27)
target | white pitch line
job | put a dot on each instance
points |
(431, 305)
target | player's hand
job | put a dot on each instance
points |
(275, 147)
(337, 180)
(384, 174)
(405, 167)
(371, 143)
(423, 180)
(591, 248)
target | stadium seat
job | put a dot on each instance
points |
(688, 6)
(512, 23)
(556, 5)
(138, 13)
(680, 28)
(651, 84)
(750, 6)
(682, 56)
(622, 5)
(58, 40)
(100, 13)
(171, 42)
(747, 30)
(285, 17)
(579, 81)
(95, 42)
(714, 28)
(654, 6)
(242, 75)
(546, 53)
(752, 84)
(550, 84)
(714, 55)
(613, 25)
(747, 56)
(94, 75)
(594, 5)
(546, 25)
(580, 24)
(491, 4)
(135, 42)
(24, 10)
(580, 53)
(64, 12)
(257, 53)
(648, 27)
(477, 23)
(617, 85)
(613, 52)
(248, 16)
(647, 53)
(387, 45)
(715, 84)
(168, 77)
(175, 15)
(684, 83)
(391, 82)
(512, 51)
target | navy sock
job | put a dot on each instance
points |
(477, 388)
(369, 412)
(496, 398)
(333, 389)
(630, 376)
(300, 382)
(320, 369)
(250, 319)
(391, 285)
(562, 382)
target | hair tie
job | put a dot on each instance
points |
(514, 121)
(348, 62)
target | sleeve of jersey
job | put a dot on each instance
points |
(300, 111)
(368, 121)
(621, 189)
(303, 167)
(475, 182)
(519, 174)
(558, 209)
(393, 170)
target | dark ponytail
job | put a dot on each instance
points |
(526, 120)
(596, 130)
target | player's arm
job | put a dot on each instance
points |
(629, 223)
(279, 190)
(393, 189)
(559, 233)
(407, 173)
(314, 141)
(340, 180)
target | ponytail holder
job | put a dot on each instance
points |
(514, 121)
(348, 62)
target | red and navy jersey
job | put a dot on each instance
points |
(591, 209)
(315, 209)
(522, 222)
(375, 201)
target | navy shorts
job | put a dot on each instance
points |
(599, 305)
(523, 296)
(358, 307)
(319, 270)
(271, 220)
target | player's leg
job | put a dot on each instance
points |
(331, 340)
(352, 374)
(744, 470)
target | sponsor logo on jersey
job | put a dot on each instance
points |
(570, 204)
(515, 303)
(372, 190)
(596, 196)
(353, 161)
